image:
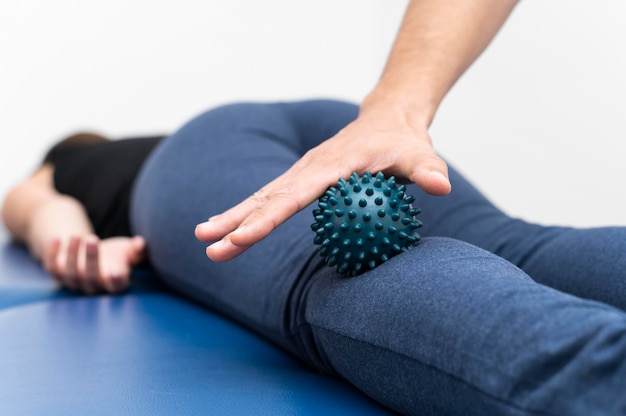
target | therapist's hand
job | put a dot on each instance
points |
(382, 139)
(437, 41)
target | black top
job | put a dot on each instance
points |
(101, 175)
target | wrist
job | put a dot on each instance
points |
(60, 217)
(417, 111)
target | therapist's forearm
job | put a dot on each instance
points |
(437, 42)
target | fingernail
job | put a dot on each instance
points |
(240, 230)
(439, 176)
(217, 245)
(204, 226)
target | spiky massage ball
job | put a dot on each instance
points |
(363, 222)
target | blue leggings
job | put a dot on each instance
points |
(487, 315)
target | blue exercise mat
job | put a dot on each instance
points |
(148, 352)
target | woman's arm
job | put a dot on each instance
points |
(36, 214)
(437, 42)
(57, 230)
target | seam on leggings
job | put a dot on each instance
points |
(512, 404)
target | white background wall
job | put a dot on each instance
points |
(537, 122)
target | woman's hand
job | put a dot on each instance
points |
(89, 265)
(382, 139)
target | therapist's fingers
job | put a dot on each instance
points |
(376, 146)
(240, 227)
(425, 169)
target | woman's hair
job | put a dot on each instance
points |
(77, 139)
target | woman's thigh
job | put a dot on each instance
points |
(448, 328)
(589, 263)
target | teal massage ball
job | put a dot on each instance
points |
(363, 222)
